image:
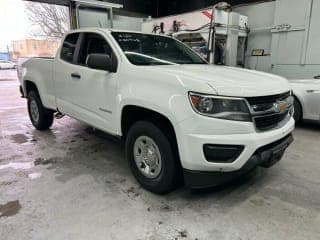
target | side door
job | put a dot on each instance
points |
(64, 74)
(94, 90)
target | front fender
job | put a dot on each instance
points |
(158, 90)
(164, 96)
(176, 108)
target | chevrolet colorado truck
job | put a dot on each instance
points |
(182, 119)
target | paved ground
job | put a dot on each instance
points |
(73, 183)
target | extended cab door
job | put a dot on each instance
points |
(91, 92)
(64, 67)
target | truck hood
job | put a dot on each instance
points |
(227, 81)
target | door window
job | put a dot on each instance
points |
(69, 47)
(93, 43)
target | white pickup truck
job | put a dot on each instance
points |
(181, 118)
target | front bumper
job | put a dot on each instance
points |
(194, 133)
(264, 156)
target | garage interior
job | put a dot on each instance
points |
(73, 181)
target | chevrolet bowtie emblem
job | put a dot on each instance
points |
(279, 107)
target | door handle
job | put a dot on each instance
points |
(75, 75)
(317, 77)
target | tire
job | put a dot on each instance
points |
(297, 111)
(167, 177)
(40, 117)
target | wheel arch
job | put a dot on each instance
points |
(134, 113)
(28, 86)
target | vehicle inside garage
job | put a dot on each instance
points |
(159, 119)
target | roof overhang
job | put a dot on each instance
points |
(93, 3)
(57, 2)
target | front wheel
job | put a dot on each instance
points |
(40, 117)
(151, 157)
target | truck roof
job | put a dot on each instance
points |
(107, 30)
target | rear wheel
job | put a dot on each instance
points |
(297, 110)
(151, 157)
(40, 117)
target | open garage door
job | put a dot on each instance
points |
(88, 13)
(91, 13)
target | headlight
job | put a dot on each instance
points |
(220, 107)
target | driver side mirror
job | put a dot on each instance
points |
(101, 62)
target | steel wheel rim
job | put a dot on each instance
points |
(34, 110)
(147, 157)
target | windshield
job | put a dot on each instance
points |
(147, 49)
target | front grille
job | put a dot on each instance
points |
(269, 120)
(264, 123)
(268, 99)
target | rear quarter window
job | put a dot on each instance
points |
(69, 47)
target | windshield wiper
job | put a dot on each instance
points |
(153, 58)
